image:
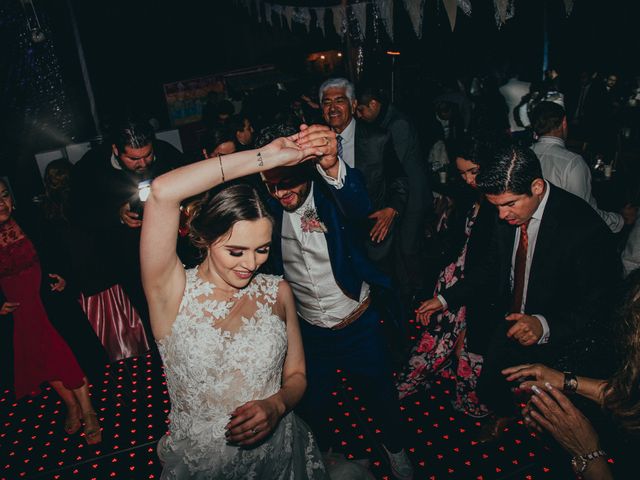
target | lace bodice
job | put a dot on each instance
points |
(219, 355)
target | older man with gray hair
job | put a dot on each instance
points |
(368, 149)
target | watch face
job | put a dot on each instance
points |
(579, 464)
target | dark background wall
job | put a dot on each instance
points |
(132, 47)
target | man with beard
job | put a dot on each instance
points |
(107, 197)
(318, 246)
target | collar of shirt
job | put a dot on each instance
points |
(537, 215)
(550, 139)
(115, 163)
(442, 121)
(349, 132)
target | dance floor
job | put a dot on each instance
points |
(133, 404)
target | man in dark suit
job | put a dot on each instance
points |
(317, 245)
(374, 108)
(369, 149)
(551, 269)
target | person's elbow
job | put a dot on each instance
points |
(161, 191)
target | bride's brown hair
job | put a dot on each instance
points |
(216, 212)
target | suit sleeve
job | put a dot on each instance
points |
(481, 280)
(409, 152)
(352, 199)
(398, 182)
(595, 274)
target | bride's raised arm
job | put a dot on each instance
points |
(162, 272)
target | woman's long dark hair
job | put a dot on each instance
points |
(214, 214)
(622, 392)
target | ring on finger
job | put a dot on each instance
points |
(254, 431)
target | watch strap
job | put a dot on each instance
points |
(570, 382)
(582, 461)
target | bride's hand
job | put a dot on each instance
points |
(252, 422)
(316, 141)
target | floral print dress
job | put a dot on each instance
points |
(439, 352)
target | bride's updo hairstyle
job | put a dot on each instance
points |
(213, 215)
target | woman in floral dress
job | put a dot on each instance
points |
(454, 340)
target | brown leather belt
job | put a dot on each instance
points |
(354, 315)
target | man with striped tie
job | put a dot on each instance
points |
(370, 150)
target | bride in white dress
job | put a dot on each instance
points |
(229, 338)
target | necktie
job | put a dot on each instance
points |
(339, 139)
(519, 269)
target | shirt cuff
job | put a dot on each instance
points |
(445, 305)
(337, 183)
(545, 330)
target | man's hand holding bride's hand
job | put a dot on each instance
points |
(310, 142)
(325, 140)
(252, 422)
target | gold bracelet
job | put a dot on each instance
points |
(221, 169)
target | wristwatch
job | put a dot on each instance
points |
(570, 382)
(580, 462)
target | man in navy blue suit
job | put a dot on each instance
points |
(321, 216)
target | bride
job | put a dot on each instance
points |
(229, 338)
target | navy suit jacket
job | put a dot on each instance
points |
(344, 212)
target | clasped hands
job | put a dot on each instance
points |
(321, 142)
(311, 142)
(252, 422)
(526, 329)
(549, 409)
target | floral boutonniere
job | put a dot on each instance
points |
(310, 222)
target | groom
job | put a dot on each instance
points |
(321, 214)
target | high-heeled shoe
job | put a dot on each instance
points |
(92, 430)
(72, 423)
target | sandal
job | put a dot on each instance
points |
(92, 430)
(71, 423)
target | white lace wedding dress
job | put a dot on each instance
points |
(219, 355)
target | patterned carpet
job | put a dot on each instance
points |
(133, 404)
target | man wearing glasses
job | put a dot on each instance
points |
(321, 227)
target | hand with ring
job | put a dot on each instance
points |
(323, 138)
(252, 422)
(319, 136)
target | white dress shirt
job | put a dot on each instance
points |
(570, 172)
(532, 233)
(307, 267)
(349, 143)
(513, 91)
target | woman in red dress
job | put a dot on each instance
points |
(40, 354)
